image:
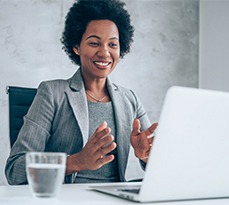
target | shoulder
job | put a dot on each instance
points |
(54, 86)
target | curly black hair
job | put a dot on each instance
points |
(84, 11)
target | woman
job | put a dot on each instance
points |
(91, 119)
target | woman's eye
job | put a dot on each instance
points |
(93, 44)
(113, 45)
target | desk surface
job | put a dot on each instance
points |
(79, 194)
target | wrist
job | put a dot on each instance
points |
(72, 165)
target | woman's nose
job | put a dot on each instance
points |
(103, 52)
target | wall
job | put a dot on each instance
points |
(214, 44)
(164, 53)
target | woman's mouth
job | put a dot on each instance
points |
(102, 64)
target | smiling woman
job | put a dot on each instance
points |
(99, 52)
(87, 116)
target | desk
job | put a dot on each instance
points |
(80, 194)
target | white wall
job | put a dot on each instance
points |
(214, 44)
(165, 52)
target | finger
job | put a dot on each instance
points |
(136, 127)
(109, 147)
(102, 142)
(150, 130)
(102, 151)
(150, 140)
(100, 139)
(101, 127)
(105, 160)
(100, 132)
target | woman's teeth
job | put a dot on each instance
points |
(102, 63)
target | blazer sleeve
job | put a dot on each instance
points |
(33, 135)
(141, 113)
(144, 120)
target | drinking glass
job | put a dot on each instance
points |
(45, 172)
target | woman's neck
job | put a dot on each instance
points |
(96, 90)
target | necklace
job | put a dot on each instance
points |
(94, 98)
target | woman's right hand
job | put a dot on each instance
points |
(95, 153)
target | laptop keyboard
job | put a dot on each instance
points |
(135, 191)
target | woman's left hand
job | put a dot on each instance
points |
(142, 141)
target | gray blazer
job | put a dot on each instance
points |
(57, 121)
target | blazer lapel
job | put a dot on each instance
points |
(77, 99)
(123, 119)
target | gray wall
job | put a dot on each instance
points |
(214, 44)
(164, 53)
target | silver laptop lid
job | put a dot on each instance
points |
(190, 155)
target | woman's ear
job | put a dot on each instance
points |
(76, 50)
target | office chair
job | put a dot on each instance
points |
(20, 99)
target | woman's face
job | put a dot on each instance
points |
(99, 49)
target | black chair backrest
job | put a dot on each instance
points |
(20, 99)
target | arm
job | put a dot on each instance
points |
(33, 135)
(141, 136)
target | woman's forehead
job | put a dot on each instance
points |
(102, 29)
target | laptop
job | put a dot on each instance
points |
(189, 159)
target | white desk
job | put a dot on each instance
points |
(79, 195)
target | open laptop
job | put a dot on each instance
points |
(189, 159)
